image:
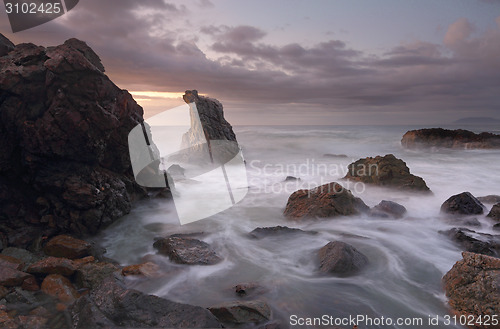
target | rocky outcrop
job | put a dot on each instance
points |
(495, 212)
(329, 200)
(387, 171)
(241, 312)
(263, 232)
(68, 247)
(462, 204)
(64, 160)
(5, 45)
(473, 289)
(186, 250)
(461, 139)
(341, 259)
(386, 209)
(112, 305)
(473, 241)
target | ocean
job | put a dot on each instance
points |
(407, 257)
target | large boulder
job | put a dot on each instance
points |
(64, 160)
(53, 265)
(495, 212)
(112, 305)
(439, 137)
(341, 258)
(387, 171)
(263, 232)
(388, 209)
(473, 287)
(186, 250)
(67, 247)
(329, 200)
(462, 204)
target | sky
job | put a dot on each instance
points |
(320, 62)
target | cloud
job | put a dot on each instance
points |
(458, 32)
(153, 46)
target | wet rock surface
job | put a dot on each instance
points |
(329, 200)
(67, 247)
(445, 138)
(472, 286)
(491, 199)
(341, 259)
(387, 171)
(387, 209)
(462, 204)
(473, 241)
(186, 250)
(241, 312)
(64, 165)
(263, 232)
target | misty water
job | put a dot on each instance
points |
(408, 257)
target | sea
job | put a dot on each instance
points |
(407, 257)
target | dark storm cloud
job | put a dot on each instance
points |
(152, 45)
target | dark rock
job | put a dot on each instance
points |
(388, 209)
(462, 204)
(30, 284)
(85, 314)
(10, 277)
(52, 265)
(491, 199)
(463, 221)
(64, 165)
(184, 250)
(496, 227)
(239, 312)
(90, 275)
(7, 321)
(5, 45)
(329, 200)
(291, 179)
(67, 247)
(335, 156)
(387, 171)
(495, 212)
(472, 286)
(262, 232)
(341, 258)
(130, 308)
(472, 241)
(60, 287)
(438, 137)
(32, 321)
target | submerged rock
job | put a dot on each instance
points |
(491, 199)
(262, 232)
(147, 269)
(329, 200)
(473, 288)
(185, 250)
(241, 312)
(335, 156)
(438, 137)
(388, 209)
(248, 289)
(387, 171)
(111, 305)
(462, 204)
(291, 179)
(495, 212)
(473, 241)
(341, 258)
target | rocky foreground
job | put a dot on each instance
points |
(445, 138)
